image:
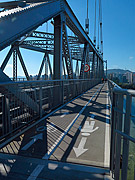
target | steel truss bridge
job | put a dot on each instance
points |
(36, 105)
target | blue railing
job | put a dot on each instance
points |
(122, 156)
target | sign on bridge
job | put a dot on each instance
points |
(86, 68)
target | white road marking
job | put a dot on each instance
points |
(88, 127)
(85, 134)
(64, 114)
(53, 148)
(80, 150)
(58, 141)
(40, 120)
(107, 139)
(49, 127)
(35, 138)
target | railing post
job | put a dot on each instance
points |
(40, 100)
(112, 134)
(6, 115)
(127, 122)
(62, 92)
(118, 136)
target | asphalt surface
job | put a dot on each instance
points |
(78, 134)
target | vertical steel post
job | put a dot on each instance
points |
(127, 122)
(97, 72)
(88, 62)
(93, 65)
(83, 62)
(57, 63)
(62, 92)
(6, 113)
(118, 137)
(113, 122)
(14, 65)
(106, 68)
(46, 69)
(40, 100)
(102, 68)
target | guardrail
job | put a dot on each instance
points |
(111, 85)
(122, 158)
(23, 102)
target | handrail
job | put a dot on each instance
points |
(121, 134)
(43, 81)
(124, 91)
(114, 84)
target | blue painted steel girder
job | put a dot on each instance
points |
(19, 23)
(24, 20)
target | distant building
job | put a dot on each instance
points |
(124, 79)
(129, 76)
(120, 76)
(133, 78)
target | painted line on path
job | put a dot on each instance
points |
(107, 136)
(59, 140)
(64, 114)
(40, 120)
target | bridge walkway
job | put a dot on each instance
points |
(72, 142)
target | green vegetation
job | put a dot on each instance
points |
(131, 158)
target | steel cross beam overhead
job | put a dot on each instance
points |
(63, 47)
(37, 14)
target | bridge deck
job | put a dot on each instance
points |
(65, 144)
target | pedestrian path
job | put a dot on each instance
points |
(65, 143)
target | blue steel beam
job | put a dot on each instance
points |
(32, 16)
(35, 15)
(76, 27)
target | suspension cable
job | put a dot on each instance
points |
(98, 25)
(101, 35)
(95, 24)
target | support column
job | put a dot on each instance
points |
(102, 68)
(93, 65)
(14, 65)
(106, 68)
(100, 76)
(88, 62)
(97, 76)
(83, 61)
(57, 64)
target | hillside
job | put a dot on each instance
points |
(117, 71)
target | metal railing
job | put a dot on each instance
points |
(122, 158)
(23, 102)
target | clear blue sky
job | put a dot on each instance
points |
(118, 34)
(118, 29)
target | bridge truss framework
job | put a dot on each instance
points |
(64, 48)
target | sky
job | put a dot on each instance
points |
(118, 34)
(118, 30)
